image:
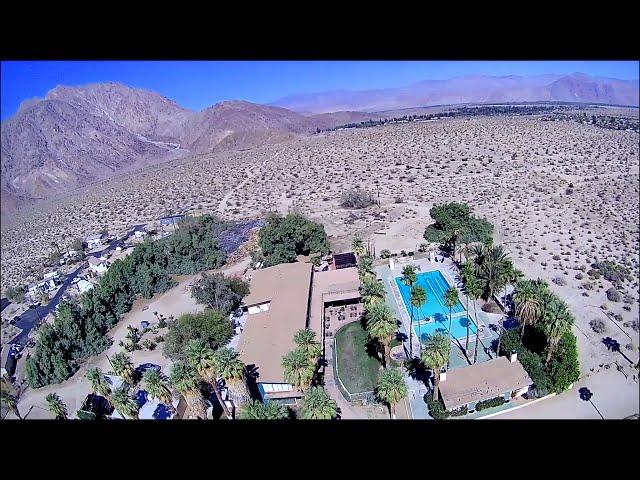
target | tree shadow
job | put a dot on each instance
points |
(417, 371)
(614, 346)
(251, 376)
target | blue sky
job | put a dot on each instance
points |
(197, 85)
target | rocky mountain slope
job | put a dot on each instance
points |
(472, 89)
(77, 135)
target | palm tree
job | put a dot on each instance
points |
(451, 299)
(455, 235)
(372, 291)
(474, 290)
(57, 406)
(10, 401)
(435, 356)
(318, 405)
(556, 320)
(157, 386)
(526, 302)
(201, 357)
(382, 326)
(99, 384)
(185, 380)
(298, 369)
(467, 275)
(125, 404)
(490, 264)
(260, 411)
(391, 389)
(229, 366)
(409, 278)
(358, 246)
(306, 341)
(123, 367)
(365, 268)
(418, 297)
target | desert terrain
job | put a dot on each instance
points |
(561, 195)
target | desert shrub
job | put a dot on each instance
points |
(613, 295)
(423, 247)
(357, 198)
(385, 253)
(16, 294)
(282, 239)
(612, 272)
(598, 325)
(214, 328)
(437, 410)
(559, 281)
(492, 402)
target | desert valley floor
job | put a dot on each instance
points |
(561, 195)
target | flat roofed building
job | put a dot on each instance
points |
(500, 376)
(277, 306)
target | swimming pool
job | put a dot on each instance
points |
(435, 308)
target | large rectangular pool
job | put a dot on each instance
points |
(433, 315)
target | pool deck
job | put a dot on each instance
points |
(457, 359)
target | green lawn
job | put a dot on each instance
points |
(357, 370)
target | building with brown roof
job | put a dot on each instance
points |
(277, 307)
(500, 376)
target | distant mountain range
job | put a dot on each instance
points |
(576, 87)
(77, 135)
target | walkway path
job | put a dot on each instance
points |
(222, 205)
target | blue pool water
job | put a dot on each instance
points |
(434, 308)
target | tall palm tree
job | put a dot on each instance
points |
(10, 401)
(185, 380)
(365, 268)
(556, 320)
(527, 304)
(418, 298)
(201, 357)
(56, 406)
(318, 405)
(358, 245)
(261, 411)
(157, 386)
(99, 384)
(381, 325)
(435, 356)
(125, 404)
(466, 275)
(451, 298)
(391, 389)
(306, 341)
(123, 367)
(372, 291)
(229, 366)
(455, 235)
(409, 278)
(474, 290)
(298, 369)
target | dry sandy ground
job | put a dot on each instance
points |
(175, 301)
(561, 195)
(612, 396)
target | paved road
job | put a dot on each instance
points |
(34, 316)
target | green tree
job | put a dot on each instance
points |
(298, 369)
(358, 245)
(123, 367)
(260, 411)
(365, 269)
(16, 294)
(99, 384)
(409, 278)
(201, 357)
(185, 380)
(318, 405)
(56, 406)
(526, 302)
(9, 401)
(219, 292)
(214, 328)
(451, 299)
(372, 291)
(435, 356)
(418, 298)
(556, 320)
(157, 386)
(474, 290)
(229, 366)
(391, 389)
(381, 325)
(124, 404)
(306, 341)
